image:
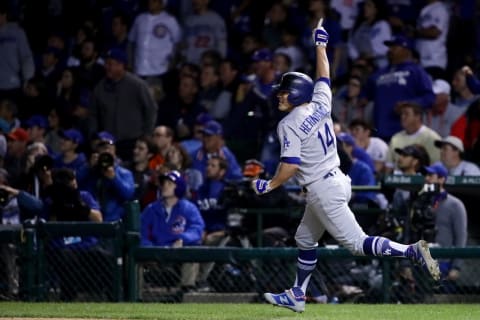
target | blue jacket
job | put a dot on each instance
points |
(362, 175)
(208, 200)
(200, 160)
(111, 193)
(160, 229)
(406, 81)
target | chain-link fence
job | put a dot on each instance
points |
(85, 262)
(244, 274)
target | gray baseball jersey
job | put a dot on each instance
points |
(307, 137)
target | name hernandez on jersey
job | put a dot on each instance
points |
(307, 136)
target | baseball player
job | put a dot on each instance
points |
(309, 151)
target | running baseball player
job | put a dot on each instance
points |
(309, 151)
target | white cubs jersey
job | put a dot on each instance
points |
(155, 38)
(307, 137)
(433, 52)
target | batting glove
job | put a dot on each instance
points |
(320, 35)
(261, 186)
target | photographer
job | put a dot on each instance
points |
(15, 206)
(450, 220)
(66, 203)
(110, 183)
(92, 263)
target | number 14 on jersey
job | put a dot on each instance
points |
(326, 138)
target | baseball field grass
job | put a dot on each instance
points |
(186, 311)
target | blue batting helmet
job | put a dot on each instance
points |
(176, 177)
(298, 85)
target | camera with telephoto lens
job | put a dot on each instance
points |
(421, 212)
(4, 196)
(239, 194)
(105, 160)
(42, 163)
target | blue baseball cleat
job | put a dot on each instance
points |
(293, 299)
(422, 256)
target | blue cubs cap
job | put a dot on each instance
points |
(262, 55)
(347, 138)
(176, 177)
(105, 136)
(212, 127)
(118, 55)
(203, 118)
(73, 135)
(438, 169)
(400, 40)
(37, 120)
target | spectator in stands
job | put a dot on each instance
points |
(451, 152)
(104, 178)
(290, 47)
(119, 30)
(16, 59)
(179, 159)
(34, 99)
(402, 81)
(210, 97)
(180, 110)
(16, 159)
(162, 139)
(154, 37)
(209, 201)
(122, 104)
(203, 30)
(350, 105)
(8, 113)
(52, 138)
(70, 98)
(252, 120)
(69, 156)
(375, 147)
(402, 15)
(214, 144)
(49, 71)
(414, 132)
(348, 13)
(90, 70)
(369, 33)
(37, 126)
(444, 113)
(275, 22)
(450, 223)
(142, 173)
(362, 175)
(431, 37)
(195, 141)
(282, 63)
(463, 95)
(173, 221)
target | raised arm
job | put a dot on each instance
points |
(320, 37)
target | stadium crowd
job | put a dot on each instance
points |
(104, 102)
